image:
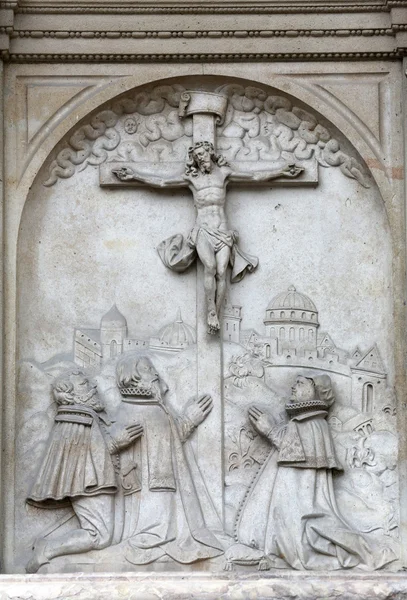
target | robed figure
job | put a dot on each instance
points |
(78, 469)
(289, 517)
(162, 510)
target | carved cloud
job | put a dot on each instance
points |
(146, 127)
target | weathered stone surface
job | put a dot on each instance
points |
(147, 451)
(152, 445)
(293, 586)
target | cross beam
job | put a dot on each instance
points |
(107, 178)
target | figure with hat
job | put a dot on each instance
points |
(163, 515)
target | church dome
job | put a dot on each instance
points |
(177, 333)
(292, 307)
(113, 319)
(291, 299)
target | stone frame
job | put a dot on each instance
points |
(295, 78)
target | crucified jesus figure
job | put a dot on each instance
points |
(207, 175)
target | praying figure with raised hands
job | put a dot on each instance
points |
(290, 517)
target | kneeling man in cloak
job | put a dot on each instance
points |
(163, 515)
(77, 469)
(289, 517)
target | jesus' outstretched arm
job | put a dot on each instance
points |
(129, 174)
(287, 170)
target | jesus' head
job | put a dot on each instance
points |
(201, 157)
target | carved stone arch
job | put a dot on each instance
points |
(284, 89)
(91, 106)
(67, 160)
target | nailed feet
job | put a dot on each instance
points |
(213, 322)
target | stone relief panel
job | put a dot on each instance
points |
(42, 104)
(116, 469)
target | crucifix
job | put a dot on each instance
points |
(207, 174)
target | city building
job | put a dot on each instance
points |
(93, 347)
(292, 337)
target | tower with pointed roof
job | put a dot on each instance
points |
(113, 332)
(368, 381)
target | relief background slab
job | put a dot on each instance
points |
(338, 243)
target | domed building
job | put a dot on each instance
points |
(93, 347)
(174, 337)
(292, 319)
(292, 339)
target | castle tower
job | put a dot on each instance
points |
(232, 317)
(292, 319)
(113, 331)
(368, 382)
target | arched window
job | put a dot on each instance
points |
(292, 334)
(268, 351)
(271, 315)
(282, 333)
(113, 348)
(303, 315)
(367, 400)
(282, 314)
(301, 333)
(272, 332)
(293, 314)
(310, 334)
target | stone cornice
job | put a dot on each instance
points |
(240, 33)
(297, 31)
(279, 56)
(55, 8)
(204, 7)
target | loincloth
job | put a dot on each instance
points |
(178, 253)
(217, 238)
